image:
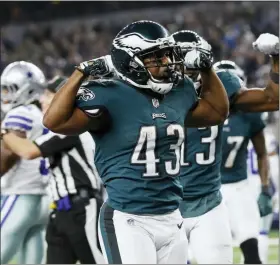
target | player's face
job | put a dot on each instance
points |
(46, 100)
(157, 64)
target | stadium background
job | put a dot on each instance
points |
(58, 35)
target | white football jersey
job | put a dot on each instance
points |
(252, 162)
(25, 176)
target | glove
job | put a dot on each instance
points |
(199, 56)
(267, 43)
(98, 67)
(265, 202)
(198, 60)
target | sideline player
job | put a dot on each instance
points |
(24, 203)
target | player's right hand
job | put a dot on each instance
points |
(265, 202)
(199, 56)
(267, 43)
(98, 67)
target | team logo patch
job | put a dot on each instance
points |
(85, 94)
(155, 102)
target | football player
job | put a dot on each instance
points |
(205, 215)
(255, 185)
(142, 115)
(24, 203)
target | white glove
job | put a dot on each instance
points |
(200, 57)
(267, 43)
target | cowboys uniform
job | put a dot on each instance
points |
(24, 205)
(135, 160)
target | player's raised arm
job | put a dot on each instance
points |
(213, 106)
(263, 99)
(63, 116)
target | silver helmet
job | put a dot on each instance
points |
(21, 83)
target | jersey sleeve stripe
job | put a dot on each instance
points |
(19, 118)
(16, 125)
(45, 131)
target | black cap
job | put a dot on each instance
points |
(56, 83)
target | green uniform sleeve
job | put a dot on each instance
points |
(92, 97)
(257, 123)
(231, 82)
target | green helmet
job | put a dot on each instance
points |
(138, 41)
(231, 67)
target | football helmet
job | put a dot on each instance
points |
(146, 39)
(231, 67)
(21, 83)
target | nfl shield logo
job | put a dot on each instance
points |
(155, 102)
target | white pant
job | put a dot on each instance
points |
(23, 221)
(243, 210)
(132, 239)
(210, 236)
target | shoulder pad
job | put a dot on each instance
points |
(99, 82)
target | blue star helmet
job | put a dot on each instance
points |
(21, 83)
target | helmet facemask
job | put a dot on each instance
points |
(21, 83)
(140, 62)
(12, 95)
(168, 58)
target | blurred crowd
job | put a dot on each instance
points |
(230, 27)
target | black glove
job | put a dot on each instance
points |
(96, 67)
(265, 201)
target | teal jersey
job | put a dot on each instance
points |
(201, 160)
(138, 158)
(202, 151)
(238, 129)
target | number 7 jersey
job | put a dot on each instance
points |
(138, 159)
(238, 129)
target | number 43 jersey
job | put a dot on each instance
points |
(138, 158)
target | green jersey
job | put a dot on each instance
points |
(138, 158)
(201, 160)
(238, 129)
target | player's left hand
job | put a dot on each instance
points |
(267, 43)
(98, 67)
(265, 202)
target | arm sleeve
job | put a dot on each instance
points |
(232, 83)
(51, 143)
(18, 119)
(92, 98)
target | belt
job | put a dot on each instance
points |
(81, 198)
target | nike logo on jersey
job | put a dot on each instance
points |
(159, 115)
(180, 225)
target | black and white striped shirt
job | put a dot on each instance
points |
(71, 163)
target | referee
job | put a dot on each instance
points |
(76, 190)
